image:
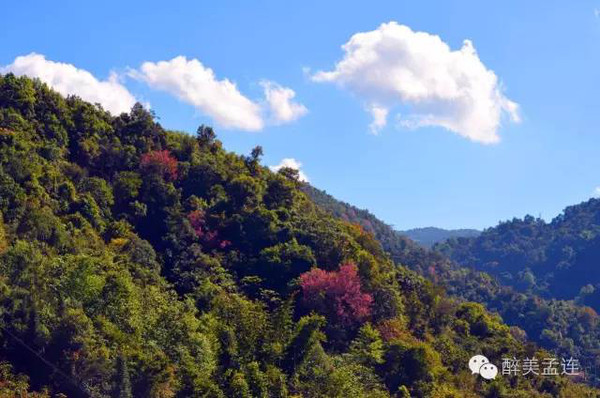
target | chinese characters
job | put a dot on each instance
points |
(544, 367)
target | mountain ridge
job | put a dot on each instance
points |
(554, 259)
(428, 236)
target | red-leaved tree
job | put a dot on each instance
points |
(210, 239)
(161, 162)
(336, 294)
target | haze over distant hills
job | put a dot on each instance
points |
(428, 236)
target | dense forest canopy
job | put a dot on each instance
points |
(568, 327)
(556, 259)
(141, 262)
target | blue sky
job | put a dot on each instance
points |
(545, 56)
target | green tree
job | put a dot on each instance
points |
(123, 384)
(238, 386)
(3, 237)
(367, 348)
(308, 334)
(206, 136)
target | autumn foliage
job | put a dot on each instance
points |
(336, 294)
(161, 162)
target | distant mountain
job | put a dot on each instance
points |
(558, 259)
(429, 236)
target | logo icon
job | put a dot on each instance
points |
(482, 366)
(488, 371)
(476, 362)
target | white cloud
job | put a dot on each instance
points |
(196, 84)
(394, 65)
(379, 115)
(192, 82)
(597, 192)
(70, 80)
(280, 102)
(292, 164)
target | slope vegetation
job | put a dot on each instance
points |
(141, 262)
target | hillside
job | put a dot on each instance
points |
(391, 241)
(429, 236)
(558, 259)
(563, 326)
(141, 262)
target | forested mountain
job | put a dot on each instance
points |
(564, 326)
(391, 241)
(429, 236)
(141, 262)
(559, 259)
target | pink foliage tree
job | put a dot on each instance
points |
(161, 162)
(337, 294)
(197, 219)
